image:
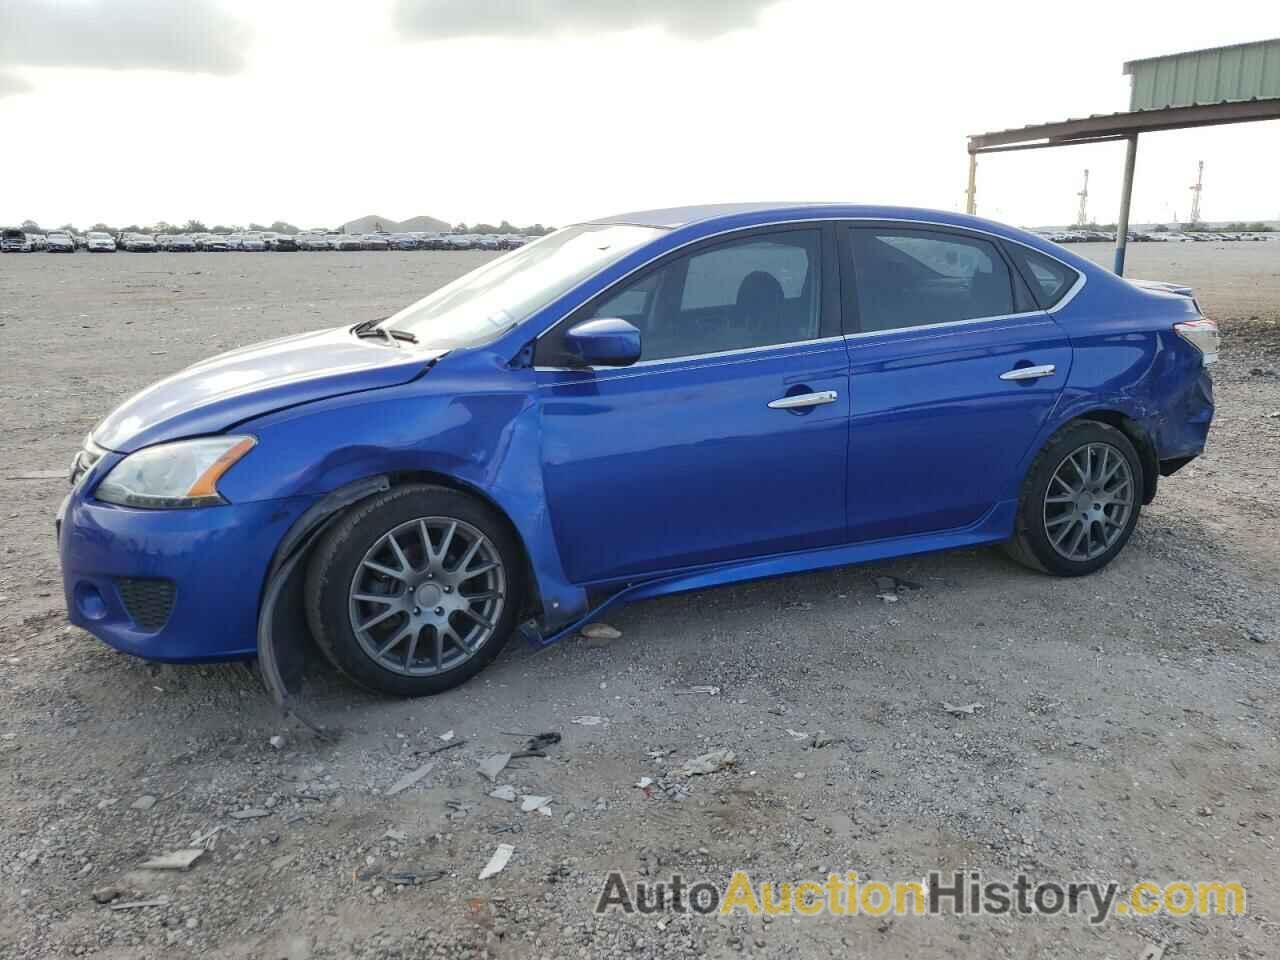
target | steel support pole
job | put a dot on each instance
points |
(1126, 194)
(971, 204)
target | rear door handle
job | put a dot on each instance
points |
(1029, 373)
(804, 400)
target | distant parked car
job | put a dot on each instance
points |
(252, 242)
(281, 242)
(376, 241)
(138, 243)
(348, 241)
(99, 242)
(403, 241)
(38, 241)
(14, 241)
(181, 243)
(59, 242)
(217, 243)
(313, 241)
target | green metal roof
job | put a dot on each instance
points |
(1245, 71)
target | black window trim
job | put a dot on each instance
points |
(1019, 293)
(1034, 289)
(829, 316)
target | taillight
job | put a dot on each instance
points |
(1201, 334)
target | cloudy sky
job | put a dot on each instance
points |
(318, 111)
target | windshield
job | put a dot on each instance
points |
(493, 298)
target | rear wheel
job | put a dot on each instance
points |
(1080, 501)
(414, 591)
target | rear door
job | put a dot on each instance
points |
(728, 438)
(954, 369)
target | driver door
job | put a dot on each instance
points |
(728, 438)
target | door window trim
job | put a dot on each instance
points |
(1081, 278)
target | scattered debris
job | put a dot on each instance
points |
(706, 688)
(530, 803)
(145, 802)
(139, 904)
(821, 740)
(644, 782)
(595, 631)
(250, 813)
(887, 597)
(446, 746)
(498, 862)
(277, 741)
(505, 792)
(447, 736)
(797, 734)
(397, 836)
(540, 741)
(207, 838)
(589, 721)
(175, 860)
(494, 765)
(1153, 951)
(966, 710)
(408, 780)
(105, 894)
(409, 878)
(707, 763)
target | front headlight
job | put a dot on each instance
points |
(174, 475)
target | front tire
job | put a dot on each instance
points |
(414, 591)
(1080, 501)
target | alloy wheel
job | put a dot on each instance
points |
(1088, 501)
(427, 596)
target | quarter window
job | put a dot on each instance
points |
(1050, 280)
(909, 278)
(758, 291)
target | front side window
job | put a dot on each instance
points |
(757, 291)
(909, 278)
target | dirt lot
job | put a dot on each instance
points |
(1128, 727)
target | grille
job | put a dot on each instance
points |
(148, 600)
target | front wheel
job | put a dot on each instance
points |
(1080, 501)
(414, 591)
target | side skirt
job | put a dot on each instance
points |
(993, 527)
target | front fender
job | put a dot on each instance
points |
(472, 420)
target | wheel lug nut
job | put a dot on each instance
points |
(439, 611)
(448, 589)
(416, 611)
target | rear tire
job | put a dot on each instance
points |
(1080, 501)
(391, 596)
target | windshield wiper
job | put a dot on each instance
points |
(366, 329)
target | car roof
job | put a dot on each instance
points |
(726, 214)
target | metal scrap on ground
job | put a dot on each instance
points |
(175, 860)
(498, 862)
(493, 765)
(707, 763)
(409, 779)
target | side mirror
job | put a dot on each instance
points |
(608, 342)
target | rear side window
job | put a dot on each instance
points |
(910, 278)
(1049, 280)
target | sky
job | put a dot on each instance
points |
(554, 111)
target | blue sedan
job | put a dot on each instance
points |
(636, 406)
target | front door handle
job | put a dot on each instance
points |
(804, 400)
(1029, 373)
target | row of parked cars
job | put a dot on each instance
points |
(57, 241)
(1159, 236)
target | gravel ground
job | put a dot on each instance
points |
(1127, 729)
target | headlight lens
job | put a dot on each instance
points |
(174, 475)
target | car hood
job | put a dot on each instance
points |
(218, 393)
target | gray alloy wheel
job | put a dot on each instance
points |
(427, 596)
(1088, 502)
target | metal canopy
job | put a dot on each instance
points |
(1121, 126)
(1241, 81)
